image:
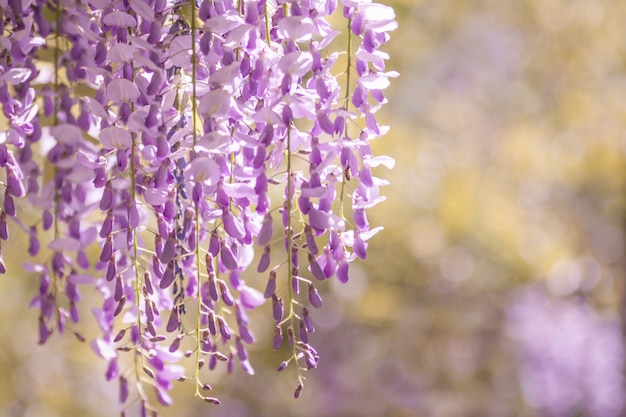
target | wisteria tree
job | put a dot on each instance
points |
(176, 140)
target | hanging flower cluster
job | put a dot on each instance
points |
(175, 139)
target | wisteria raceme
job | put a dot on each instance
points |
(174, 140)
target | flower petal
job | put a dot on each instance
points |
(114, 137)
(119, 19)
(122, 90)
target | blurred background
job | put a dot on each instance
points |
(497, 287)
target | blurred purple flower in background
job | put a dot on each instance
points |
(571, 358)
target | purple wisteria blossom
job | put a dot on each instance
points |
(183, 143)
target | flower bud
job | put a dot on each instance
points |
(314, 297)
(277, 308)
(270, 288)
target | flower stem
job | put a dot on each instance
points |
(290, 276)
(194, 59)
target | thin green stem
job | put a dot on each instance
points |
(133, 197)
(348, 73)
(267, 23)
(55, 116)
(290, 276)
(348, 66)
(194, 59)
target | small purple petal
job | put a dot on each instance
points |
(251, 298)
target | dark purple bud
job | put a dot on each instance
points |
(356, 25)
(4, 227)
(106, 203)
(306, 319)
(33, 242)
(270, 288)
(315, 268)
(246, 335)
(278, 338)
(295, 262)
(120, 306)
(314, 297)
(44, 283)
(252, 13)
(14, 183)
(264, 262)
(101, 54)
(44, 332)
(325, 123)
(265, 234)
(329, 266)
(119, 288)
(58, 262)
(157, 267)
(213, 287)
(100, 178)
(9, 204)
(282, 366)
(242, 354)
(74, 312)
(287, 115)
(122, 159)
(153, 88)
(176, 343)
(342, 272)
(211, 322)
(197, 193)
(168, 276)
(277, 308)
(304, 336)
(286, 83)
(123, 389)
(290, 335)
(258, 162)
(311, 361)
(133, 215)
(360, 219)
(169, 210)
(227, 297)
(224, 329)
(227, 257)
(107, 225)
(148, 372)
(169, 250)
(119, 335)
(111, 269)
(359, 97)
(112, 370)
(48, 219)
(149, 311)
(233, 226)
(147, 280)
(214, 244)
(154, 37)
(368, 43)
(310, 240)
(295, 284)
(174, 322)
(107, 250)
